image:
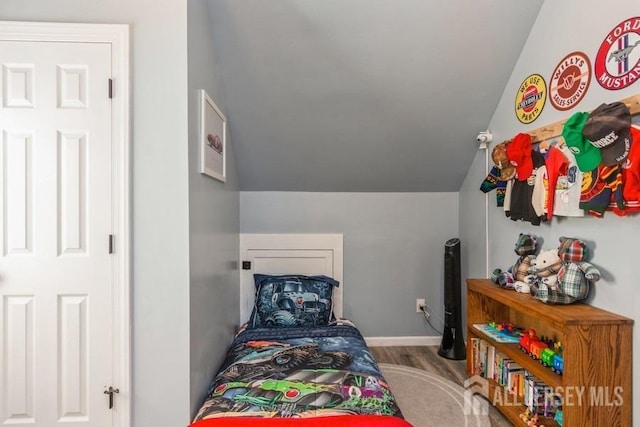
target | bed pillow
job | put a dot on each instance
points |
(292, 300)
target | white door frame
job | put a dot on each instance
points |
(118, 36)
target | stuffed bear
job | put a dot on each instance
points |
(546, 267)
(516, 274)
(502, 278)
(526, 246)
(574, 277)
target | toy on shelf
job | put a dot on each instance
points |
(558, 361)
(530, 419)
(526, 247)
(515, 276)
(500, 332)
(545, 268)
(546, 357)
(574, 277)
(552, 358)
(531, 344)
(526, 415)
(558, 364)
(542, 350)
(505, 329)
(534, 422)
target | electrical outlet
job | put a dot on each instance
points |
(420, 302)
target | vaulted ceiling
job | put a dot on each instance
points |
(362, 95)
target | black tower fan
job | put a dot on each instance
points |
(453, 345)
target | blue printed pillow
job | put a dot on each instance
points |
(293, 300)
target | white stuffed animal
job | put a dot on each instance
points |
(545, 268)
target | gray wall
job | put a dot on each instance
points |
(564, 27)
(393, 248)
(160, 199)
(213, 223)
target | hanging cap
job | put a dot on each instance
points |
(499, 156)
(519, 154)
(607, 128)
(587, 156)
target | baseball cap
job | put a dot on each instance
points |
(499, 156)
(519, 154)
(607, 128)
(587, 155)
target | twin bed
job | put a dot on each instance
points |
(296, 362)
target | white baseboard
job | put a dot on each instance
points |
(401, 341)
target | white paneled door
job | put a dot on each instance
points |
(56, 269)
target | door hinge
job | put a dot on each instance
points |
(111, 238)
(110, 88)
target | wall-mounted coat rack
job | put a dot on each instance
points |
(554, 130)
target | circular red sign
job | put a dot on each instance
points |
(617, 63)
(570, 81)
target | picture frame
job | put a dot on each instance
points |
(213, 138)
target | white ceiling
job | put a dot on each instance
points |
(362, 95)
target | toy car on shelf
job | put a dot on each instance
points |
(558, 364)
(531, 344)
(541, 350)
(553, 360)
(546, 357)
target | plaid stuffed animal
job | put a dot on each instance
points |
(574, 278)
(526, 246)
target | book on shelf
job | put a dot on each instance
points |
(475, 359)
(502, 336)
(483, 358)
(539, 397)
(491, 361)
(497, 366)
(512, 376)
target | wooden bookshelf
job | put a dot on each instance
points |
(596, 381)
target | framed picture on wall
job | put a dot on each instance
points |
(213, 138)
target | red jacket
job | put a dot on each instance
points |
(631, 177)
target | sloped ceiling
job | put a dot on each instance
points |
(362, 95)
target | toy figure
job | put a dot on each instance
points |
(526, 247)
(545, 268)
(534, 422)
(574, 277)
(544, 272)
(526, 415)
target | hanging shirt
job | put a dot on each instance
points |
(568, 188)
(556, 164)
(521, 204)
(506, 204)
(630, 177)
(493, 182)
(599, 187)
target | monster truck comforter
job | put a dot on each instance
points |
(320, 376)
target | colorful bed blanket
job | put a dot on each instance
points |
(299, 377)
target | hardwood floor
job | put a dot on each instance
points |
(427, 359)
